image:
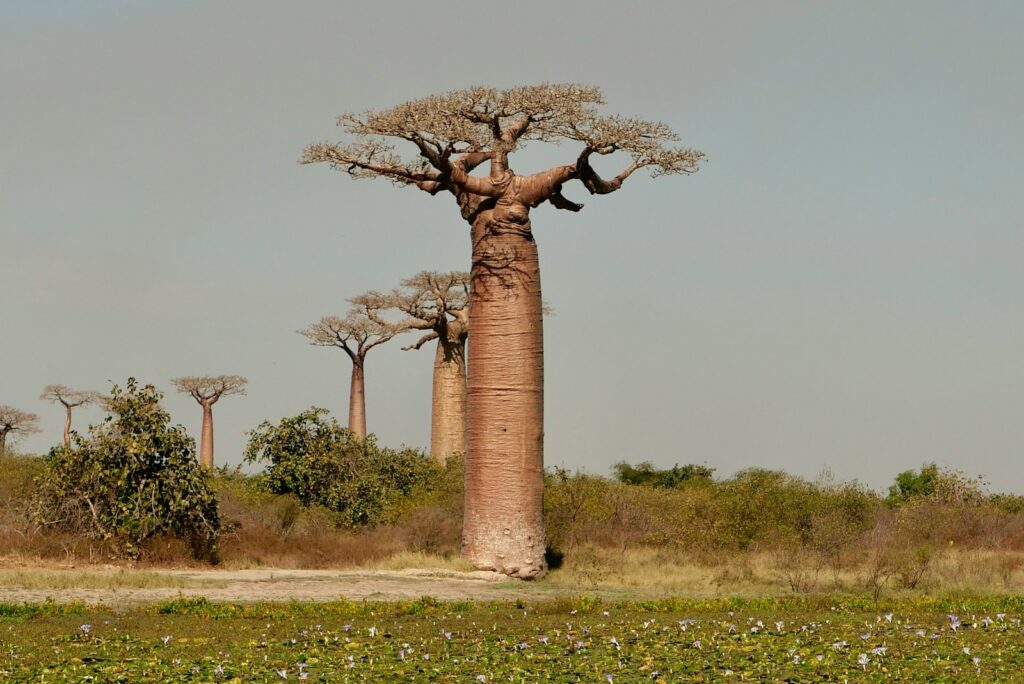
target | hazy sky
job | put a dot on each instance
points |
(839, 287)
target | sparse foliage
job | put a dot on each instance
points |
(208, 389)
(15, 422)
(134, 477)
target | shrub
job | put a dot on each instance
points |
(321, 463)
(135, 477)
(645, 474)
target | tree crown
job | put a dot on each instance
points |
(456, 131)
(210, 388)
(362, 328)
(16, 420)
(62, 394)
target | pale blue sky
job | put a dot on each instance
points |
(840, 287)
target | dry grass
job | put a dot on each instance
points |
(420, 560)
(663, 571)
(114, 578)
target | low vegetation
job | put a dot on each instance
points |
(570, 639)
(131, 490)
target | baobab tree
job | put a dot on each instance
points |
(69, 399)
(15, 421)
(356, 334)
(438, 303)
(207, 391)
(452, 134)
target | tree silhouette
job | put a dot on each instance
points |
(15, 421)
(356, 334)
(452, 134)
(207, 391)
(69, 399)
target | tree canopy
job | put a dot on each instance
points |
(209, 388)
(454, 132)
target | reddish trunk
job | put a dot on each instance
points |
(503, 528)
(67, 428)
(206, 441)
(357, 401)
(448, 407)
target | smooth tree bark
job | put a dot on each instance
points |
(69, 399)
(207, 391)
(439, 304)
(453, 134)
(15, 422)
(355, 334)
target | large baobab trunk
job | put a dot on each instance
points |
(206, 439)
(503, 527)
(452, 134)
(357, 401)
(448, 406)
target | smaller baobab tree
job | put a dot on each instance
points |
(356, 334)
(15, 421)
(69, 399)
(439, 303)
(207, 391)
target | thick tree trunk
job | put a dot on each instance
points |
(67, 428)
(3, 443)
(448, 407)
(357, 401)
(503, 528)
(206, 440)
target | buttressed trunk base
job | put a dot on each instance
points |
(448, 410)
(503, 528)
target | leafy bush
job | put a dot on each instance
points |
(322, 463)
(910, 484)
(645, 474)
(134, 478)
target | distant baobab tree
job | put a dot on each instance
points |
(207, 391)
(15, 421)
(69, 399)
(438, 303)
(452, 134)
(355, 334)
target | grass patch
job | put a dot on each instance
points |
(119, 578)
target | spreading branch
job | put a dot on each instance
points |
(475, 124)
(69, 398)
(16, 421)
(208, 389)
(362, 329)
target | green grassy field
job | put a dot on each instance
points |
(813, 639)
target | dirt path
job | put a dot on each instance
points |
(288, 585)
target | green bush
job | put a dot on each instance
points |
(133, 478)
(321, 463)
(673, 478)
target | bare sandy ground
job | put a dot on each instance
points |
(246, 586)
